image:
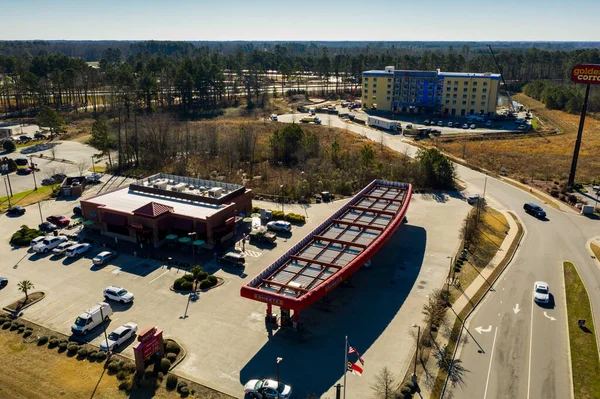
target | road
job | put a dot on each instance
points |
(525, 351)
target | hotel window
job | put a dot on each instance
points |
(483, 103)
(447, 89)
(366, 85)
(465, 90)
(474, 83)
(389, 80)
(454, 96)
(449, 82)
(472, 103)
(447, 95)
(474, 90)
(464, 96)
(456, 83)
(485, 83)
(374, 85)
(453, 101)
(420, 81)
(473, 96)
(455, 89)
(447, 101)
(374, 91)
(484, 90)
(388, 92)
(389, 86)
(374, 97)
(388, 99)
(366, 79)
(483, 97)
(481, 112)
(466, 83)
(464, 103)
(366, 97)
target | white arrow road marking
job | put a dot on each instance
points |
(480, 329)
(516, 309)
(550, 317)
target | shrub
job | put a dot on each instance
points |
(28, 329)
(171, 381)
(20, 325)
(82, 352)
(184, 391)
(114, 366)
(92, 354)
(148, 374)
(178, 283)
(160, 376)
(172, 347)
(101, 355)
(27, 333)
(295, 218)
(213, 280)
(53, 342)
(13, 326)
(172, 357)
(180, 385)
(411, 385)
(554, 193)
(6, 324)
(2, 319)
(122, 374)
(128, 366)
(72, 348)
(24, 235)
(165, 365)
(457, 269)
(9, 146)
(188, 277)
(406, 391)
(126, 384)
(572, 199)
(255, 209)
(62, 346)
(187, 286)
(196, 270)
(202, 276)
(205, 284)
(21, 329)
(276, 215)
(43, 340)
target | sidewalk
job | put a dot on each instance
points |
(458, 306)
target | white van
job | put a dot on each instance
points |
(91, 318)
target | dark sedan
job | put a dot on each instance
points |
(47, 227)
(16, 211)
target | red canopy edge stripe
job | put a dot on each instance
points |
(314, 295)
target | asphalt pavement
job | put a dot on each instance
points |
(525, 346)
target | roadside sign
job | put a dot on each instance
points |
(586, 73)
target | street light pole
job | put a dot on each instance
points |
(40, 208)
(193, 234)
(33, 171)
(279, 359)
(7, 195)
(105, 336)
(282, 200)
(417, 352)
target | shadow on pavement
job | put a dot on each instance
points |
(361, 309)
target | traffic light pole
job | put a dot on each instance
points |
(578, 140)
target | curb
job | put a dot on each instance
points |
(181, 358)
(567, 324)
(12, 312)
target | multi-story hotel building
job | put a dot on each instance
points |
(450, 93)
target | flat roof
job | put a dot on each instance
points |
(400, 72)
(335, 249)
(128, 200)
(189, 185)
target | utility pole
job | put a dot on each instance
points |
(571, 180)
(105, 336)
(33, 171)
(40, 208)
(7, 195)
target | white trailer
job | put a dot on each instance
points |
(382, 123)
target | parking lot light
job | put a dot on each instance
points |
(279, 360)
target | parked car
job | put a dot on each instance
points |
(118, 294)
(235, 258)
(94, 178)
(59, 220)
(262, 235)
(23, 171)
(279, 225)
(39, 136)
(426, 122)
(78, 249)
(49, 243)
(440, 123)
(465, 126)
(263, 389)
(274, 117)
(488, 123)
(541, 292)
(534, 210)
(16, 211)
(3, 282)
(473, 199)
(118, 337)
(22, 161)
(92, 318)
(103, 257)
(62, 248)
(37, 240)
(456, 124)
(472, 126)
(47, 227)
(24, 139)
(77, 211)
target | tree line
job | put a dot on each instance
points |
(563, 96)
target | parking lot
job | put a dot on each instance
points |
(225, 334)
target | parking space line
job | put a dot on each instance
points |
(135, 263)
(61, 312)
(69, 320)
(44, 308)
(110, 269)
(159, 277)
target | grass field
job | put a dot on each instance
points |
(543, 158)
(26, 197)
(491, 234)
(584, 351)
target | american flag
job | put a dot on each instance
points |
(351, 350)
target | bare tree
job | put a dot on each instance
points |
(386, 384)
(82, 165)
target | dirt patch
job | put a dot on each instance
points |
(21, 304)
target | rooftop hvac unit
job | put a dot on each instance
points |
(161, 184)
(294, 284)
(178, 187)
(215, 192)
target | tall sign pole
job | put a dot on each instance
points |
(588, 74)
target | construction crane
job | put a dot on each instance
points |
(510, 103)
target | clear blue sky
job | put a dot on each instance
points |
(460, 20)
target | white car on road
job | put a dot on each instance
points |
(541, 292)
(103, 257)
(118, 294)
(37, 240)
(49, 243)
(118, 337)
(78, 249)
(267, 389)
(279, 225)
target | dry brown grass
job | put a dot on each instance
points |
(538, 157)
(596, 250)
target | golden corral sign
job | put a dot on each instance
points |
(588, 73)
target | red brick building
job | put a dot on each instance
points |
(150, 209)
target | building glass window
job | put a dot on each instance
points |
(389, 80)
(466, 83)
(474, 90)
(389, 86)
(483, 97)
(388, 99)
(453, 101)
(472, 103)
(464, 103)
(388, 92)
(374, 97)
(485, 83)
(483, 103)
(455, 89)
(474, 83)
(447, 95)
(454, 96)
(447, 101)
(464, 96)
(456, 83)
(374, 85)
(465, 90)
(484, 90)
(366, 85)
(366, 79)
(447, 89)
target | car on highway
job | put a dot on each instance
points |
(118, 337)
(279, 225)
(47, 227)
(235, 258)
(48, 244)
(16, 211)
(534, 210)
(541, 292)
(59, 220)
(267, 389)
(37, 240)
(3, 282)
(77, 250)
(62, 248)
(103, 257)
(118, 294)
(23, 171)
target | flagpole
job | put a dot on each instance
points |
(345, 364)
